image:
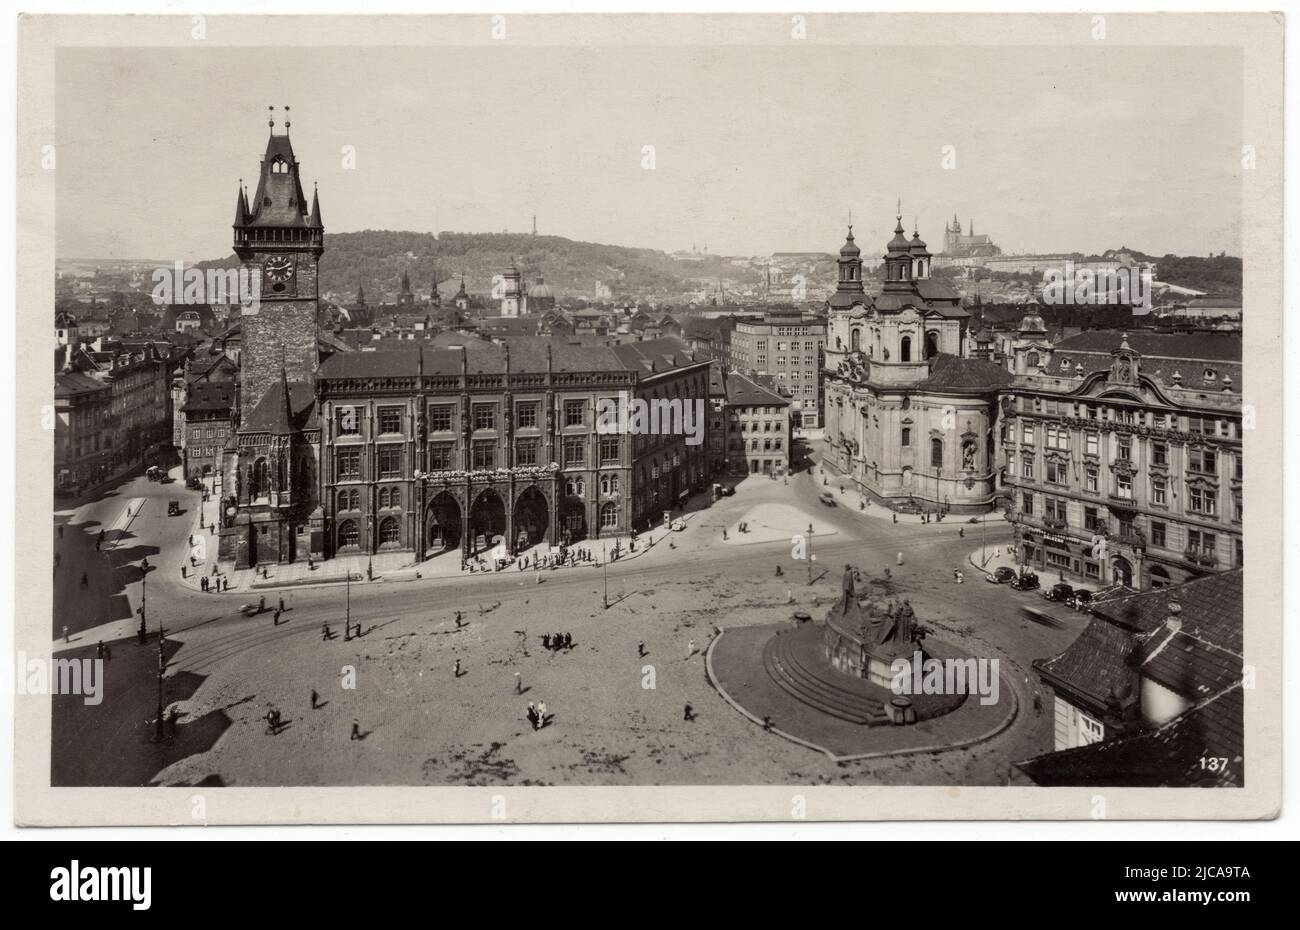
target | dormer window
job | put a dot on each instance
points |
(1210, 374)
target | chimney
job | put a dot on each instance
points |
(1174, 621)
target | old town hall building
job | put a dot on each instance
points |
(431, 449)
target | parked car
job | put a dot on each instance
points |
(1001, 575)
(1082, 600)
(1059, 592)
(725, 490)
(173, 508)
(1025, 581)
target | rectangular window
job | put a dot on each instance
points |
(1026, 466)
(440, 456)
(1202, 461)
(573, 412)
(390, 461)
(1027, 503)
(526, 414)
(609, 450)
(440, 418)
(1159, 492)
(485, 454)
(1091, 444)
(1124, 487)
(1090, 478)
(526, 451)
(1159, 453)
(1027, 434)
(349, 421)
(1124, 448)
(347, 463)
(575, 451)
(390, 419)
(1202, 500)
(1056, 473)
(1157, 534)
(1090, 518)
(485, 416)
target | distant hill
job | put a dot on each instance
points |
(1219, 275)
(375, 260)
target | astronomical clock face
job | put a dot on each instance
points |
(279, 272)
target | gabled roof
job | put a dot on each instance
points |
(1095, 666)
(1201, 346)
(270, 414)
(744, 392)
(1172, 755)
(953, 373)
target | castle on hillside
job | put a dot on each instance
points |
(969, 245)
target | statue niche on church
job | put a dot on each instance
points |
(968, 450)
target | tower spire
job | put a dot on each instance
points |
(315, 220)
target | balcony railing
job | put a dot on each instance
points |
(1201, 557)
(1052, 523)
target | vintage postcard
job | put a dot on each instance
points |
(626, 418)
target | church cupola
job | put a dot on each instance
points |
(920, 255)
(898, 258)
(848, 289)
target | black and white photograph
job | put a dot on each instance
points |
(758, 405)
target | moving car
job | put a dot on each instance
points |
(1082, 600)
(173, 508)
(1001, 575)
(828, 499)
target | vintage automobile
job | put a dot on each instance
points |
(1001, 575)
(725, 490)
(1060, 591)
(173, 508)
(828, 499)
(1025, 581)
(1082, 600)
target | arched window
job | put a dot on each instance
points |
(936, 453)
(855, 340)
(905, 349)
(931, 344)
(609, 483)
(907, 437)
(261, 479)
(1031, 360)
(608, 516)
(390, 532)
(349, 535)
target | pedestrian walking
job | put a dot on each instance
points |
(779, 573)
(261, 604)
(225, 584)
(315, 698)
(456, 669)
(275, 619)
(688, 713)
(65, 634)
(640, 649)
(541, 714)
(519, 684)
(281, 604)
(183, 575)
(546, 640)
(326, 632)
(767, 724)
(690, 648)
(99, 649)
(356, 730)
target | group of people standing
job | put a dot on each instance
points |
(537, 714)
(557, 641)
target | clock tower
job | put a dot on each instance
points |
(270, 508)
(279, 242)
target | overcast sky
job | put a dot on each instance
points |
(756, 149)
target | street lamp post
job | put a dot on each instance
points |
(604, 566)
(347, 616)
(810, 552)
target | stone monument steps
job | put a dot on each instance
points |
(786, 662)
